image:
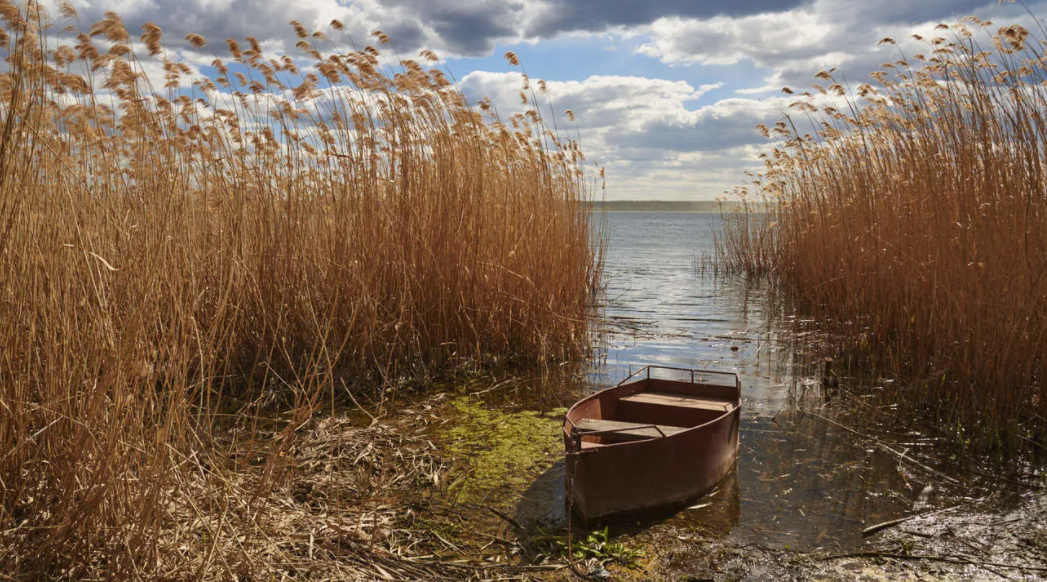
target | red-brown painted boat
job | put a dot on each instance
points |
(648, 443)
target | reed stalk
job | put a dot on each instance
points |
(912, 221)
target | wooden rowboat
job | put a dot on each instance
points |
(649, 444)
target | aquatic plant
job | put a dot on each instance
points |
(294, 229)
(599, 547)
(501, 450)
(912, 221)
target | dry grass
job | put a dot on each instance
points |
(914, 224)
(171, 255)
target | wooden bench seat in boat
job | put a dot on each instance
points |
(671, 408)
(683, 400)
(625, 430)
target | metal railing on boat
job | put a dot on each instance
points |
(647, 369)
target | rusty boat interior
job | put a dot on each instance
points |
(651, 408)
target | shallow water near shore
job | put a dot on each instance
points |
(805, 478)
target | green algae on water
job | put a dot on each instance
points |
(500, 452)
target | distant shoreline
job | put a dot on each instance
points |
(694, 207)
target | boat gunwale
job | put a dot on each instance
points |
(687, 430)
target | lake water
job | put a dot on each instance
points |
(662, 309)
(801, 481)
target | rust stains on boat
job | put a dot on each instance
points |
(650, 443)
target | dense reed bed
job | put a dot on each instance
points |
(292, 230)
(912, 220)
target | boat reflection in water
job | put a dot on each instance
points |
(717, 512)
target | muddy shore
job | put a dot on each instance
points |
(451, 486)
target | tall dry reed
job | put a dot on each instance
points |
(748, 241)
(912, 220)
(272, 233)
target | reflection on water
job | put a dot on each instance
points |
(800, 481)
(806, 485)
(659, 310)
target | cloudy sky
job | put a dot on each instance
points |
(666, 92)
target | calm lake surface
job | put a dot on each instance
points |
(801, 481)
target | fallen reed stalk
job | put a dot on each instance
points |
(170, 255)
(912, 221)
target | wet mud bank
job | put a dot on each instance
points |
(497, 506)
